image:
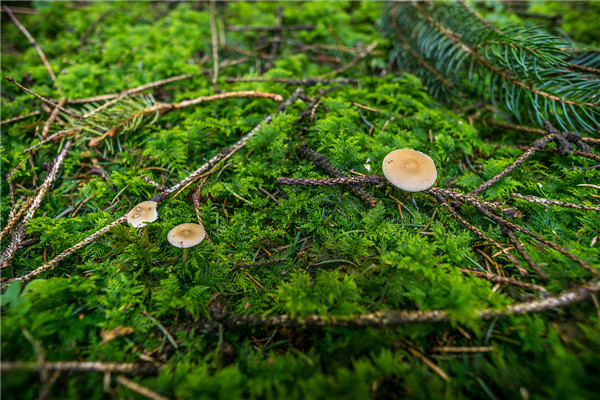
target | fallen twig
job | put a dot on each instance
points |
(533, 199)
(295, 82)
(53, 116)
(81, 366)
(163, 108)
(42, 98)
(32, 41)
(354, 61)
(502, 279)
(136, 387)
(347, 180)
(233, 28)
(20, 117)
(10, 250)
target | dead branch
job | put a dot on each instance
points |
(521, 250)
(32, 41)
(164, 108)
(270, 28)
(42, 98)
(20, 117)
(503, 280)
(9, 251)
(321, 162)
(533, 199)
(51, 138)
(295, 82)
(354, 61)
(136, 387)
(53, 116)
(348, 180)
(258, 264)
(81, 366)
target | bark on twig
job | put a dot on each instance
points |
(258, 264)
(136, 387)
(502, 279)
(533, 199)
(521, 250)
(347, 180)
(32, 41)
(354, 61)
(9, 252)
(391, 318)
(20, 117)
(51, 138)
(164, 108)
(321, 162)
(42, 98)
(295, 82)
(270, 28)
(53, 116)
(81, 366)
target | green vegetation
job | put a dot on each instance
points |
(115, 300)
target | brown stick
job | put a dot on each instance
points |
(12, 221)
(353, 62)
(20, 117)
(136, 387)
(53, 116)
(347, 180)
(81, 366)
(535, 146)
(502, 279)
(258, 264)
(321, 162)
(461, 349)
(391, 318)
(530, 129)
(32, 41)
(9, 251)
(295, 82)
(521, 250)
(163, 108)
(270, 28)
(42, 98)
(482, 235)
(51, 138)
(533, 199)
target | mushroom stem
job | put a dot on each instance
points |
(185, 255)
(145, 240)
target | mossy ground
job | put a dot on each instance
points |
(341, 256)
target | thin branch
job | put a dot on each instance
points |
(53, 116)
(535, 147)
(81, 366)
(391, 318)
(323, 163)
(453, 37)
(9, 251)
(136, 387)
(32, 41)
(539, 131)
(270, 28)
(42, 98)
(164, 108)
(20, 117)
(354, 61)
(480, 233)
(347, 180)
(521, 250)
(502, 279)
(533, 199)
(51, 138)
(214, 44)
(14, 217)
(295, 82)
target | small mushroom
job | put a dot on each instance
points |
(142, 214)
(409, 170)
(186, 235)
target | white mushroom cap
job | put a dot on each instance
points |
(409, 170)
(143, 213)
(186, 235)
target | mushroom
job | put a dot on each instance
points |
(409, 170)
(142, 214)
(186, 235)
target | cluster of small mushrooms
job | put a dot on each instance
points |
(407, 169)
(182, 236)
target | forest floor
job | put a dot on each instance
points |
(341, 291)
